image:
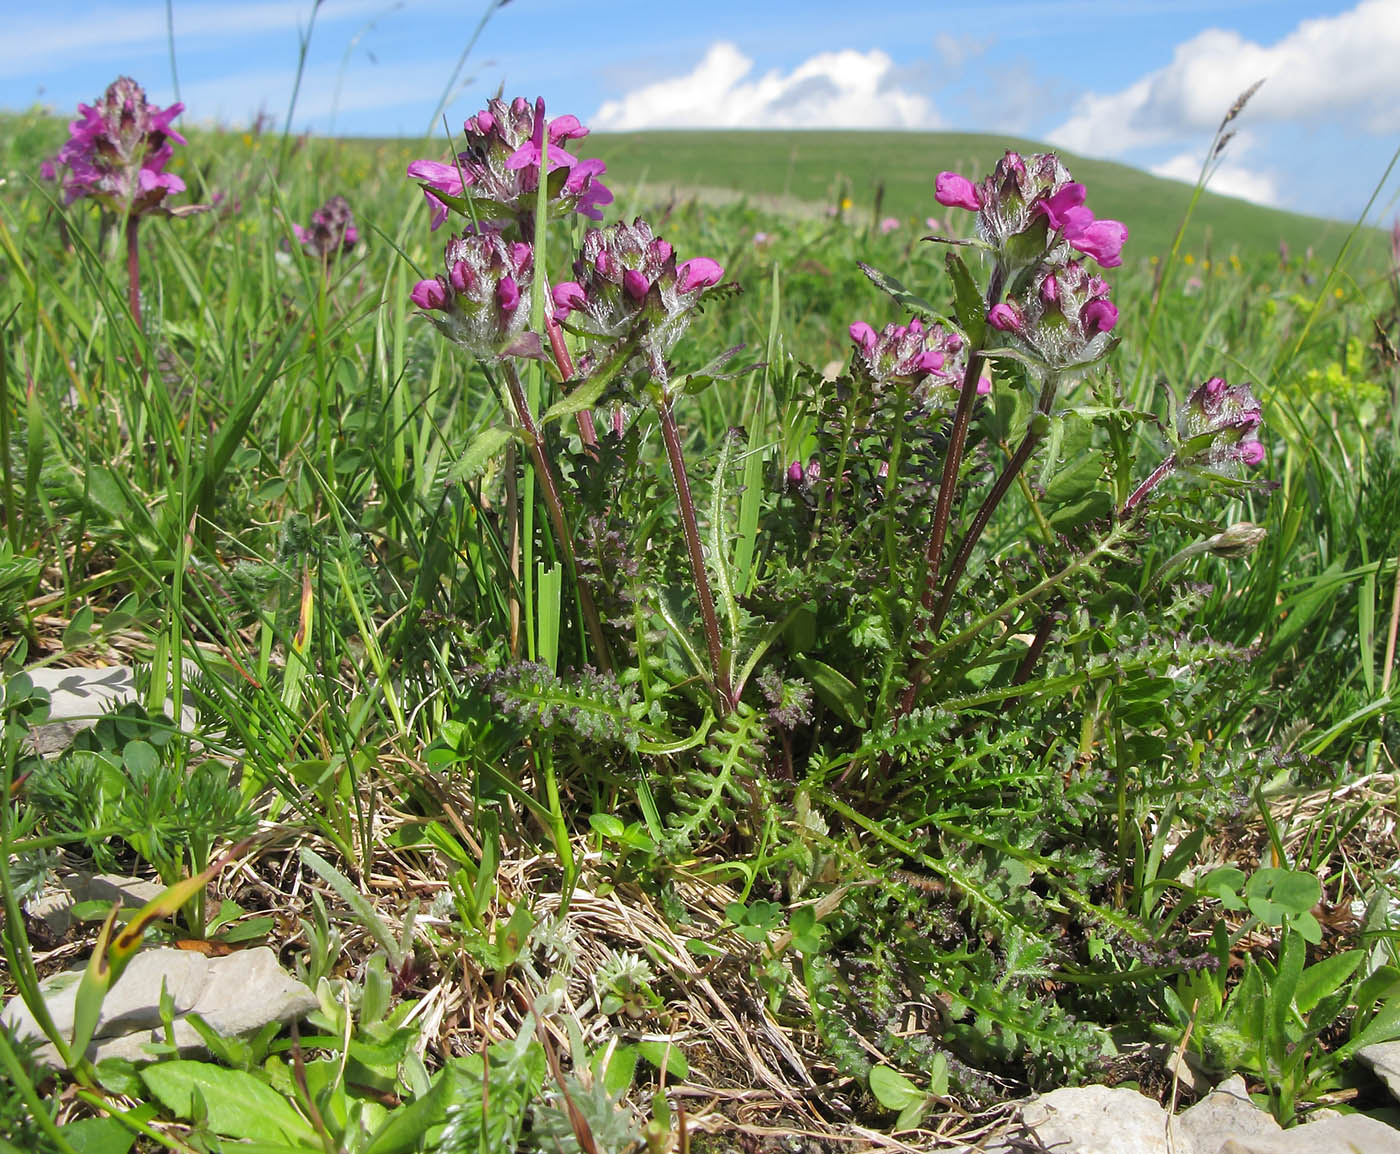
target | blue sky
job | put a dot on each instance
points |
(1141, 81)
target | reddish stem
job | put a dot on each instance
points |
(1153, 480)
(671, 435)
(133, 270)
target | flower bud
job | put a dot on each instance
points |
(1239, 540)
(629, 284)
(1006, 317)
(1064, 316)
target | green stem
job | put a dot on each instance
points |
(550, 488)
(20, 1081)
(671, 435)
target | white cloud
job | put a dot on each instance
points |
(1342, 65)
(846, 89)
(1229, 178)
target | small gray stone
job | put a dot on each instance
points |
(236, 994)
(79, 696)
(1346, 1134)
(1225, 1113)
(55, 907)
(1095, 1120)
(1384, 1060)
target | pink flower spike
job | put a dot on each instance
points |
(1056, 207)
(429, 294)
(863, 335)
(563, 128)
(443, 177)
(507, 294)
(568, 295)
(889, 224)
(955, 191)
(1100, 315)
(1006, 317)
(795, 473)
(635, 284)
(984, 386)
(1103, 240)
(697, 273)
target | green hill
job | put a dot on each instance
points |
(811, 170)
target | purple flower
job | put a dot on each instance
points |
(1101, 239)
(1064, 316)
(1060, 208)
(1100, 315)
(863, 335)
(628, 285)
(697, 273)
(1030, 210)
(332, 230)
(1218, 428)
(1006, 317)
(955, 191)
(889, 225)
(117, 150)
(482, 300)
(499, 167)
(926, 359)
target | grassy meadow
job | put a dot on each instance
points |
(562, 875)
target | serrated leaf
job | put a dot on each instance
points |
(901, 295)
(236, 1104)
(1325, 978)
(665, 1056)
(967, 298)
(478, 453)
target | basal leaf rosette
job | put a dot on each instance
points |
(495, 177)
(629, 287)
(482, 302)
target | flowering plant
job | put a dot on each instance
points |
(115, 154)
(332, 231)
(117, 150)
(494, 178)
